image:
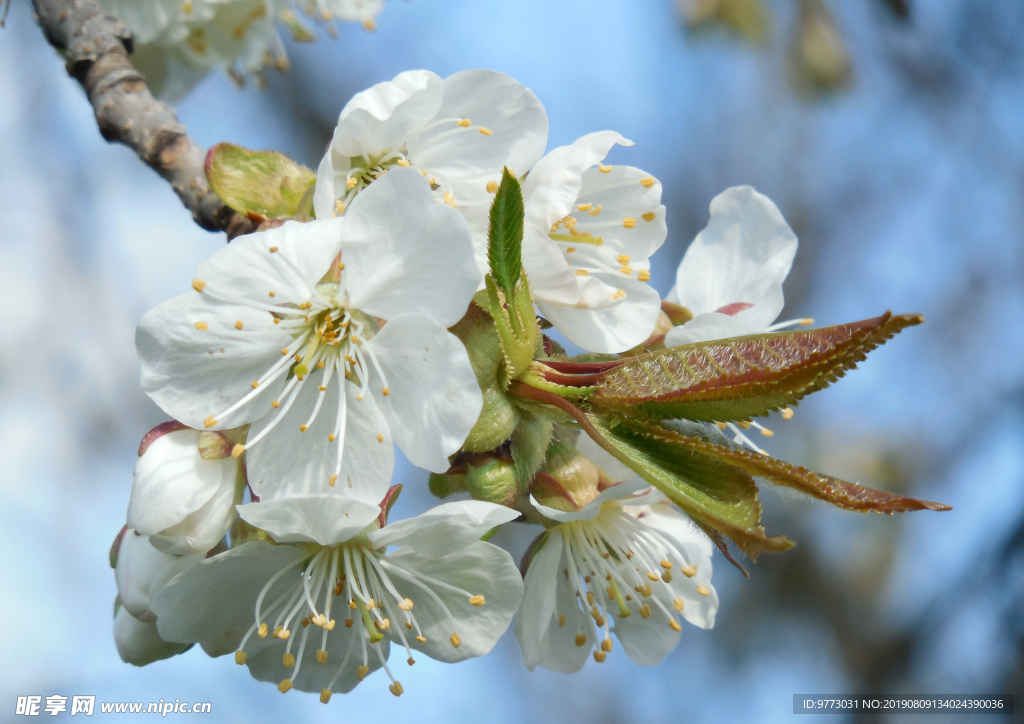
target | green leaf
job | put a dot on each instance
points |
(717, 495)
(735, 379)
(264, 183)
(505, 234)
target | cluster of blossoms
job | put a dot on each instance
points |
(406, 313)
(178, 42)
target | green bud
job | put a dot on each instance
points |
(494, 481)
(443, 485)
(568, 480)
(498, 418)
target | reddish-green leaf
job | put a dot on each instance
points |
(734, 379)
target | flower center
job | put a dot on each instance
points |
(354, 580)
(616, 563)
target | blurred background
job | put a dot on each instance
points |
(890, 134)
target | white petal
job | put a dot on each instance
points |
(433, 398)
(621, 194)
(139, 643)
(325, 519)
(550, 278)
(142, 571)
(593, 508)
(404, 252)
(171, 481)
(705, 328)
(554, 183)
(248, 269)
(193, 374)
(741, 257)
(219, 594)
(444, 527)
(613, 329)
(477, 568)
(497, 102)
(647, 640)
(289, 462)
(384, 116)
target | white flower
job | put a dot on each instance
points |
(731, 276)
(590, 229)
(626, 560)
(336, 598)
(280, 335)
(138, 642)
(458, 133)
(164, 21)
(141, 570)
(184, 502)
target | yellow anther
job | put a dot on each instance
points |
(255, 384)
(606, 645)
(449, 198)
(464, 123)
(595, 211)
(590, 598)
(352, 604)
(276, 320)
(561, 620)
(648, 182)
(262, 631)
(582, 273)
(626, 269)
(403, 163)
(362, 671)
(302, 428)
(348, 623)
(766, 432)
(433, 181)
(805, 322)
(581, 639)
(688, 570)
(674, 625)
(288, 660)
(396, 689)
(666, 564)
(186, 7)
(325, 695)
(679, 604)
(406, 604)
(629, 222)
(570, 250)
(380, 437)
(667, 576)
(603, 169)
(408, 625)
(477, 600)
(599, 656)
(410, 661)
(787, 413)
(643, 275)
(305, 622)
(585, 207)
(456, 641)
(648, 216)
(284, 351)
(386, 391)
(554, 226)
(273, 249)
(320, 366)
(339, 207)
(275, 403)
(285, 686)
(486, 131)
(653, 576)
(270, 293)
(369, 25)
(492, 187)
(283, 634)
(198, 284)
(422, 639)
(645, 611)
(703, 590)
(744, 425)
(237, 450)
(351, 183)
(370, 605)
(239, 657)
(202, 326)
(721, 425)
(622, 258)
(210, 421)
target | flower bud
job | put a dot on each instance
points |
(498, 419)
(493, 481)
(185, 490)
(568, 480)
(141, 570)
(138, 642)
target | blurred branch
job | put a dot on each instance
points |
(96, 49)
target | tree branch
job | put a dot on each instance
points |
(96, 49)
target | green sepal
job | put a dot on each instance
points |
(517, 327)
(499, 417)
(267, 184)
(735, 379)
(443, 485)
(530, 443)
(492, 480)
